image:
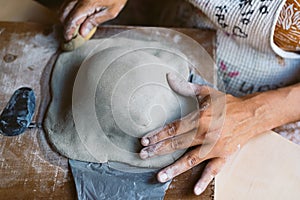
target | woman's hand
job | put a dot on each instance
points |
(220, 126)
(87, 14)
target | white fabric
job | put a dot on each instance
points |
(247, 21)
(245, 54)
(244, 70)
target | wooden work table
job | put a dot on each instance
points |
(29, 167)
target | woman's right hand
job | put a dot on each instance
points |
(86, 14)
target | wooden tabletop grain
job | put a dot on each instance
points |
(29, 167)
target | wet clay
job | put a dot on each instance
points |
(103, 106)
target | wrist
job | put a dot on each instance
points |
(276, 107)
(259, 116)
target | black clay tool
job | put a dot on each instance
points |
(18, 113)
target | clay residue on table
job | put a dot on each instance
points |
(29, 168)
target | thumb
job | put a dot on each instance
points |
(185, 88)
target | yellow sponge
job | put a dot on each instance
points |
(77, 41)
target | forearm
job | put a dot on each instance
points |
(274, 108)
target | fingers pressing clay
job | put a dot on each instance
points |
(167, 146)
(178, 127)
(77, 41)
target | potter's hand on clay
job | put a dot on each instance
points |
(218, 129)
(88, 14)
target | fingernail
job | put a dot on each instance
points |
(87, 30)
(144, 154)
(162, 177)
(198, 190)
(145, 141)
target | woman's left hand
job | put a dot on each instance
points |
(221, 125)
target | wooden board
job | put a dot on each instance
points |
(29, 167)
(267, 167)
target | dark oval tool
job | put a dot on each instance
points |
(18, 113)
